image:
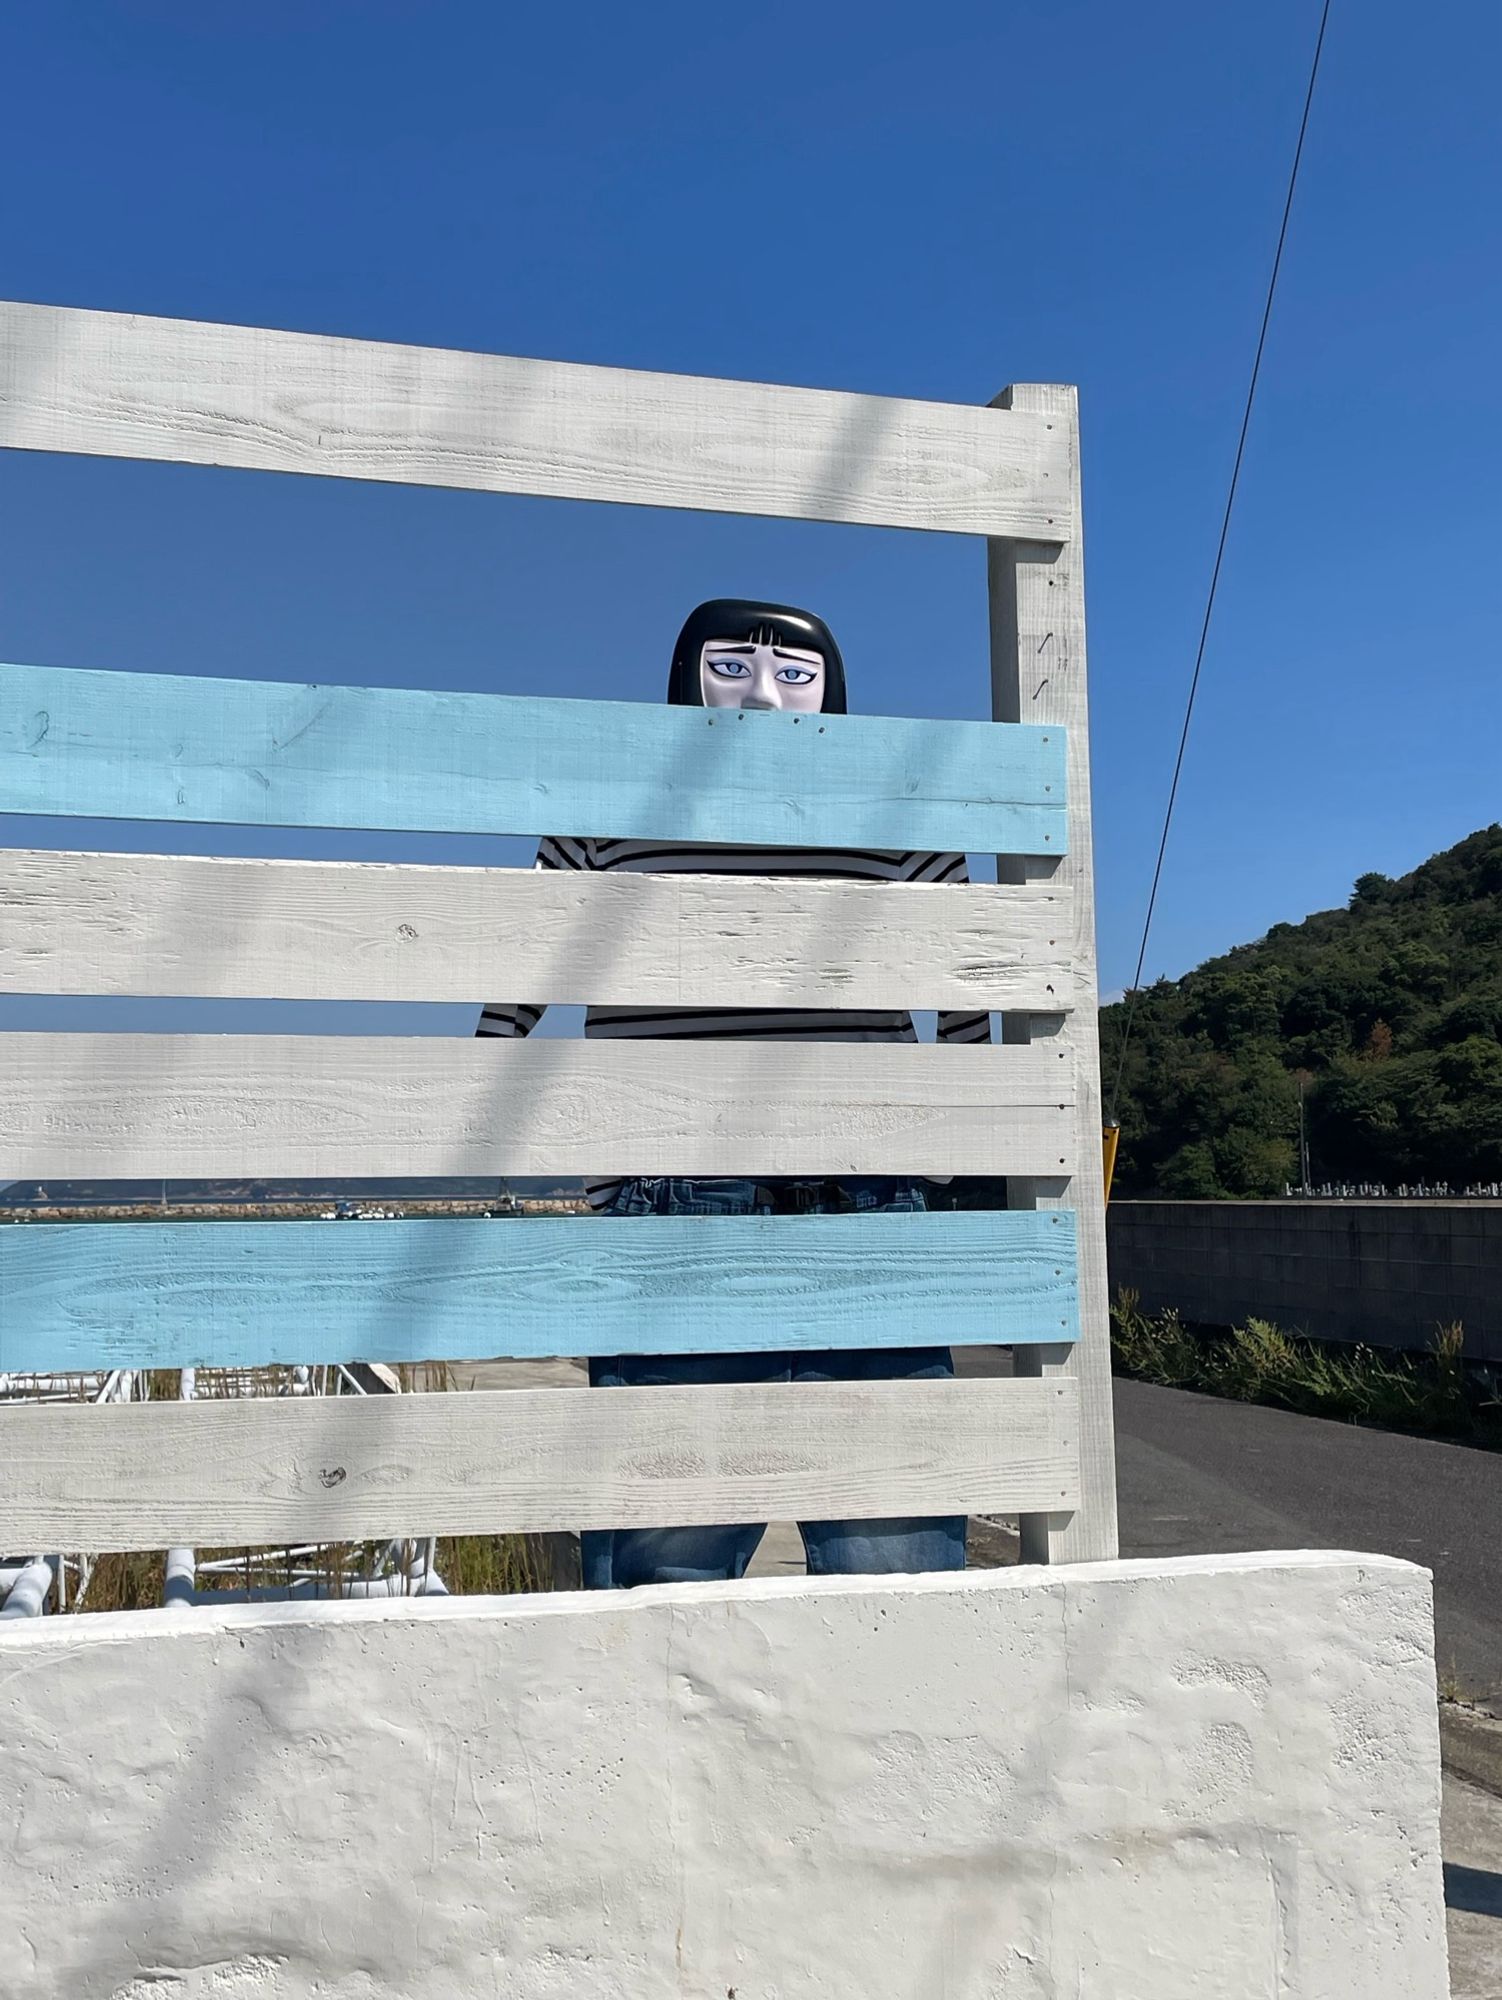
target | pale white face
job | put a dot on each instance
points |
(732, 675)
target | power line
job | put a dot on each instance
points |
(1225, 529)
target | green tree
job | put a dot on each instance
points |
(1392, 1008)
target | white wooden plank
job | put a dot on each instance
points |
(151, 924)
(246, 1471)
(1038, 675)
(130, 386)
(186, 1106)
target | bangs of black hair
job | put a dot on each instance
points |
(738, 621)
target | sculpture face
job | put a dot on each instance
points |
(737, 675)
(733, 652)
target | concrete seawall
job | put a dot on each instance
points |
(1384, 1272)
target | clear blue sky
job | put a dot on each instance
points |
(923, 201)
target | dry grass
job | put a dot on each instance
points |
(470, 1565)
(124, 1583)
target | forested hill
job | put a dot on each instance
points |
(1391, 1013)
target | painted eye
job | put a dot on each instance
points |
(795, 676)
(734, 670)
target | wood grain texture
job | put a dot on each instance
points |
(1038, 673)
(227, 1106)
(153, 924)
(160, 1475)
(271, 753)
(130, 386)
(247, 1294)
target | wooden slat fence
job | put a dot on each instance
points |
(82, 743)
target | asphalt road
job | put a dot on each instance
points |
(1196, 1476)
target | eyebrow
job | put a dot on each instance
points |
(782, 652)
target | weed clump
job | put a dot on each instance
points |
(1436, 1393)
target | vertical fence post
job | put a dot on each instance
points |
(1037, 594)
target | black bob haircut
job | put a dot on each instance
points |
(741, 623)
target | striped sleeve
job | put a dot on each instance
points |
(964, 1027)
(510, 1019)
(955, 1025)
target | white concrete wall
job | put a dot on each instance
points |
(1213, 1779)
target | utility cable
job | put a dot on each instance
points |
(1225, 529)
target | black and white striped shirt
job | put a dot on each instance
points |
(784, 1024)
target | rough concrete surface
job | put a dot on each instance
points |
(1211, 1779)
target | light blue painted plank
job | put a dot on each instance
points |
(75, 741)
(205, 1294)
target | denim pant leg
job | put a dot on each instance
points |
(684, 1555)
(597, 1545)
(622, 1558)
(902, 1546)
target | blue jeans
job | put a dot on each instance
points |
(621, 1558)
